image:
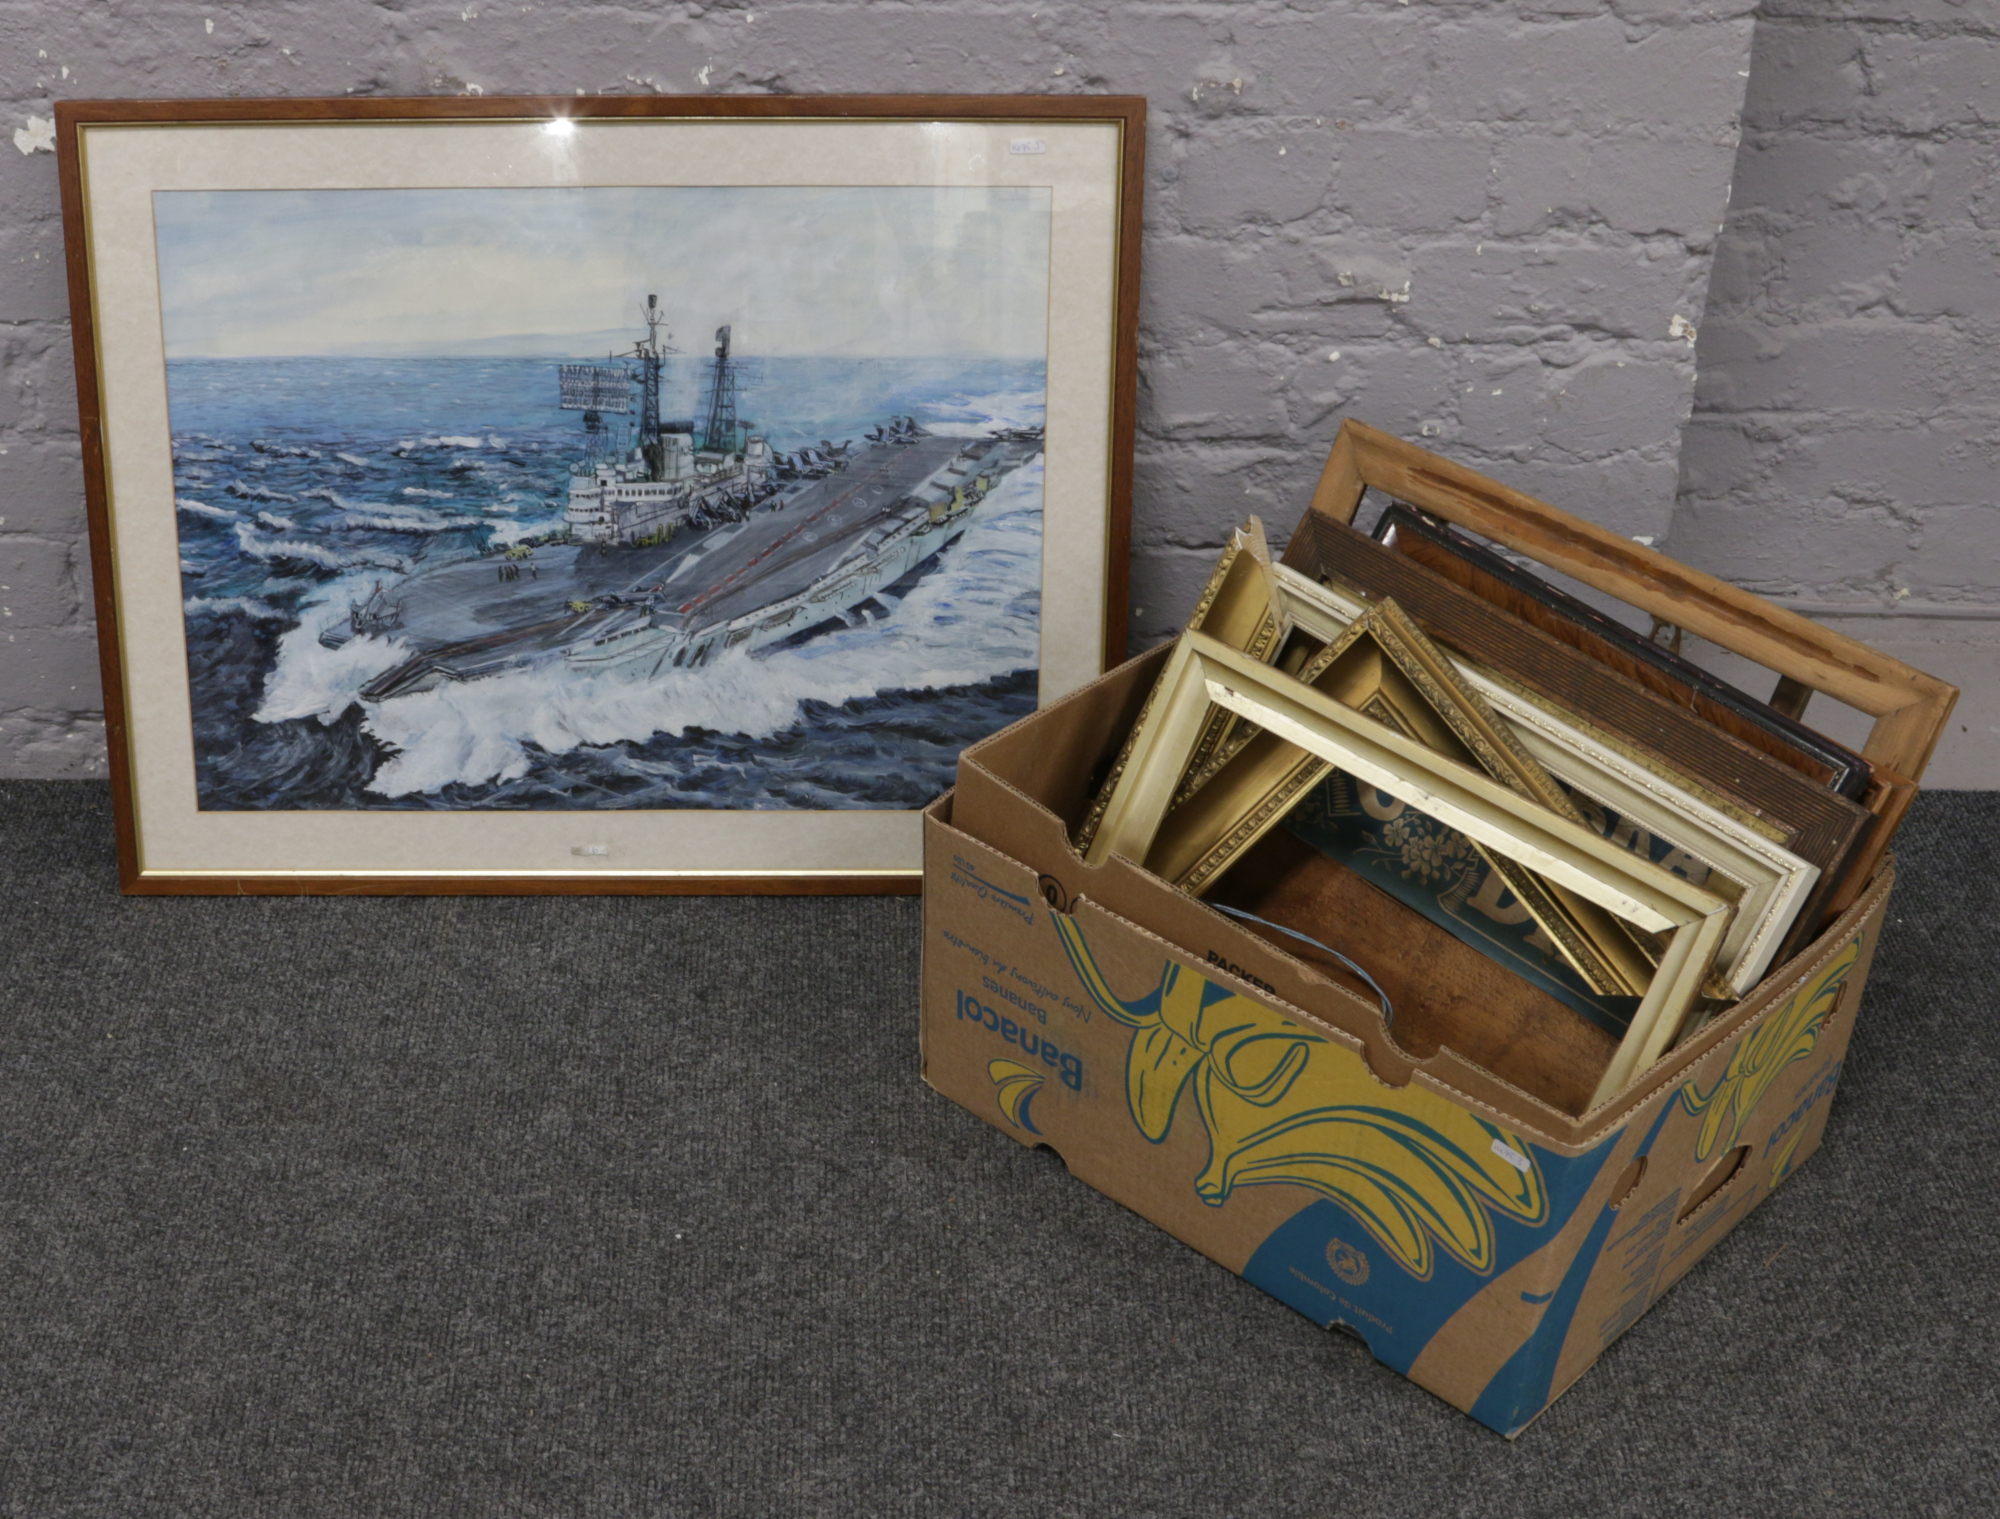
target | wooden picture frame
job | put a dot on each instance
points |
(1825, 829)
(1203, 671)
(251, 604)
(1239, 606)
(1768, 883)
(1910, 708)
(1467, 562)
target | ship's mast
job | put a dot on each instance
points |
(594, 389)
(649, 353)
(719, 436)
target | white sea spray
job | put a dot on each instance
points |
(310, 680)
(973, 618)
(256, 492)
(302, 552)
(505, 534)
(394, 520)
(981, 416)
(221, 606)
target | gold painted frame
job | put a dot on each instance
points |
(1239, 605)
(1384, 666)
(1202, 672)
(1768, 883)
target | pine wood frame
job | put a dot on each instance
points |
(1464, 559)
(1910, 708)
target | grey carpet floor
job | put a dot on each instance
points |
(611, 1206)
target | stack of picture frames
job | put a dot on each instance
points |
(1595, 824)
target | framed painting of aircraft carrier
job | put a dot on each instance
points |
(593, 494)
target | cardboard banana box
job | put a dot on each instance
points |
(1486, 1240)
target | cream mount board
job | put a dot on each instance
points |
(1083, 166)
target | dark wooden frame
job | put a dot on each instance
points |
(1127, 111)
(1461, 558)
(1910, 708)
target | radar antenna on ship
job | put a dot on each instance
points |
(595, 389)
(719, 436)
(649, 352)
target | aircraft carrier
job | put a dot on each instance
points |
(682, 542)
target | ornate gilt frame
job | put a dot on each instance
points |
(1239, 605)
(1383, 665)
(1769, 882)
(1203, 672)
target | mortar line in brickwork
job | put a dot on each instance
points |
(1914, 611)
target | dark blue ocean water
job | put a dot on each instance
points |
(303, 482)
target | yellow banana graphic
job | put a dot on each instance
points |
(1283, 1105)
(1781, 1166)
(1790, 1036)
(1017, 1083)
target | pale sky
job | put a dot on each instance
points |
(881, 272)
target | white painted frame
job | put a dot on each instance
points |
(1774, 882)
(1203, 672)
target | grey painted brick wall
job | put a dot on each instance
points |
(1846, 437)
(1489, 227)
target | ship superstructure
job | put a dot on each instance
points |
(667, 476)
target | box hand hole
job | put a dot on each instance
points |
(1713, 1180)
(1628, 1182)
(1833, 1011)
